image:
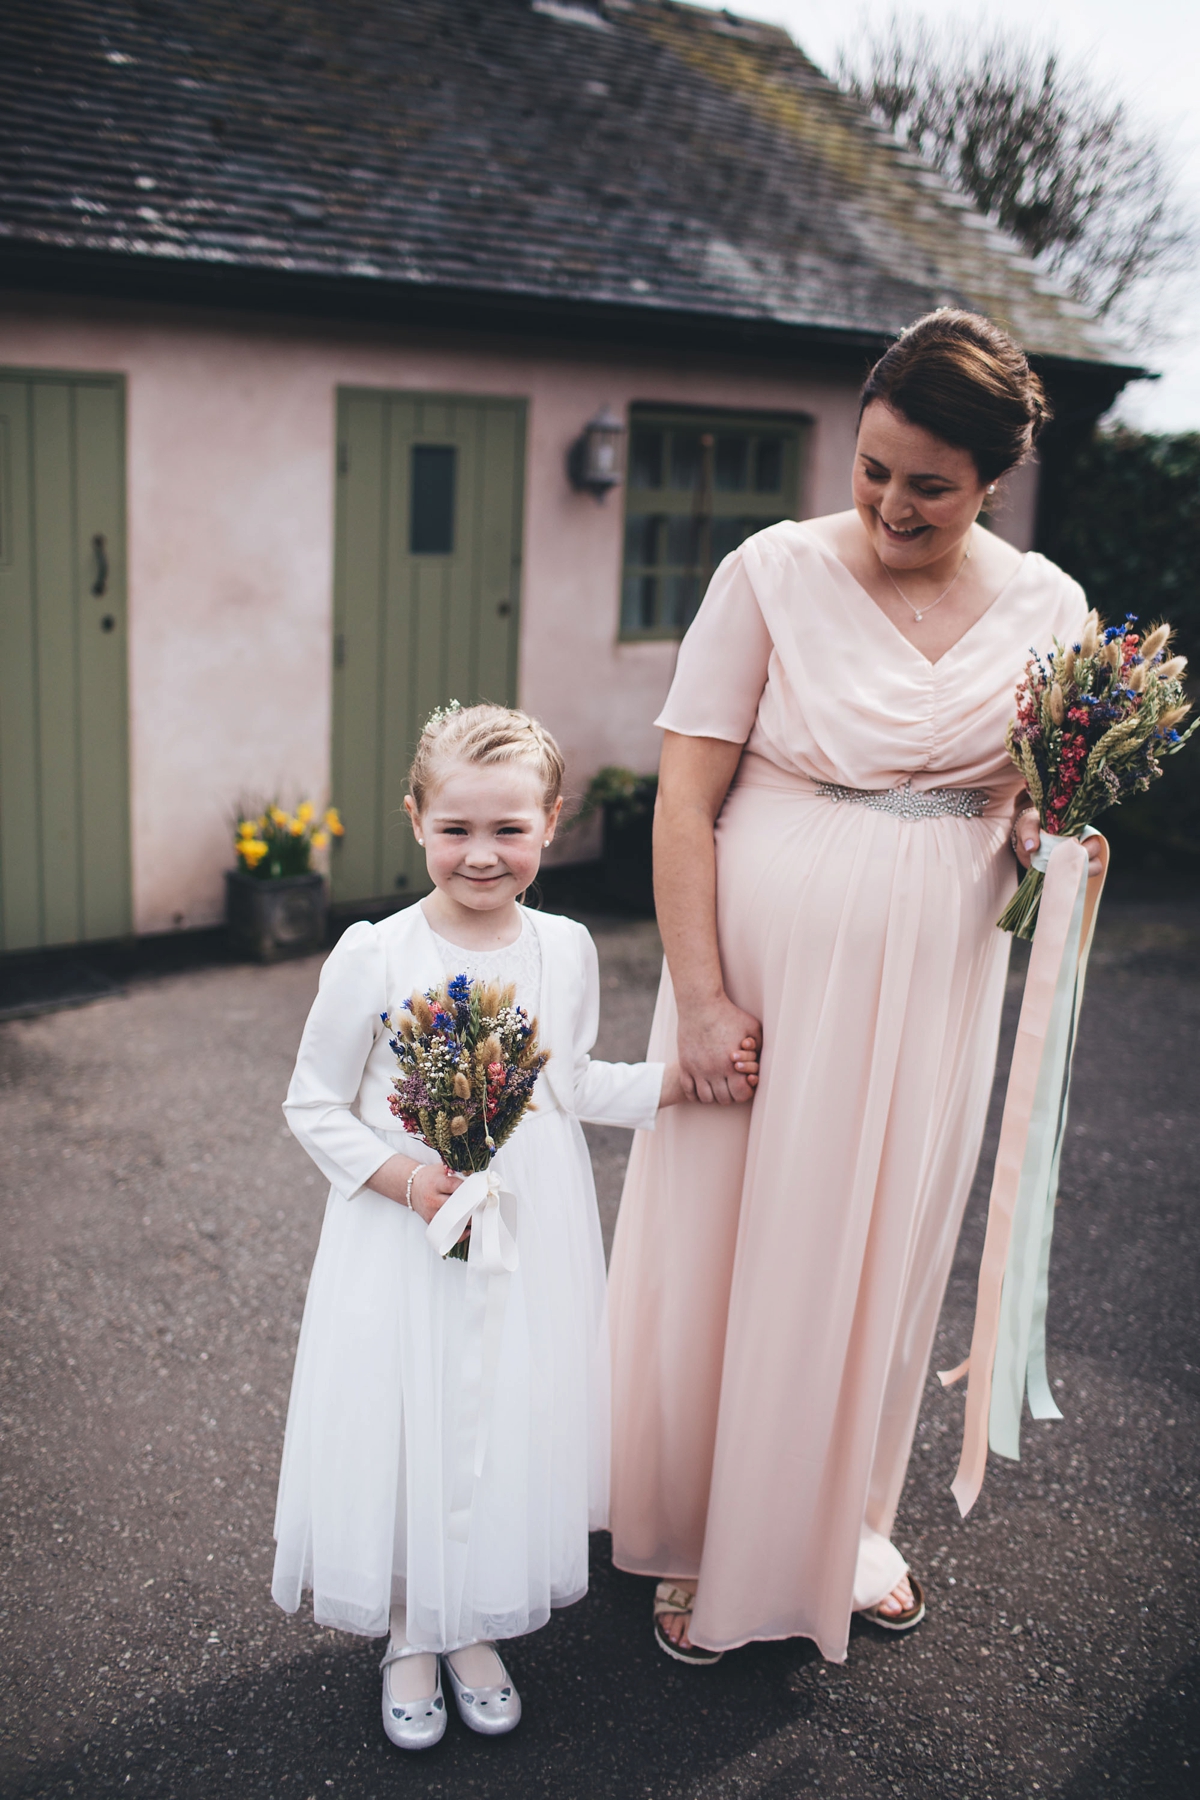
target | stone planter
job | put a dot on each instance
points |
(273, 919)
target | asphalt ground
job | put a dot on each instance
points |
(158, 1227)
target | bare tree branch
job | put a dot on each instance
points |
(1042, 148)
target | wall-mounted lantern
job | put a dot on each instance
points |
(594, 459)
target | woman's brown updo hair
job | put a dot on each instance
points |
(962, 378)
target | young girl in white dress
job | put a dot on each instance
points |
(447, 1440)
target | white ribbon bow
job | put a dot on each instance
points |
(492, 1211)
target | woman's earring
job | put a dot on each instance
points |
(992, 489)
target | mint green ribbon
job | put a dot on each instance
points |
(1020, 1364)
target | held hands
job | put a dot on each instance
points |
(1026, 837)
(708, 1070)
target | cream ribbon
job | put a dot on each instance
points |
(1008, 1343)
(492, 1255)
(492, 1211)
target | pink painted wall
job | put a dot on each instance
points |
(230, 432)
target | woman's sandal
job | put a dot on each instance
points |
(671, 1602)
(901, 1621)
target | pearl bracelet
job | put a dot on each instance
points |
(408, 1186)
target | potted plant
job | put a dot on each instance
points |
(626, 801)
(275, 901)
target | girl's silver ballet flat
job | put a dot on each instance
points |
(491, 1711)
(413, 1724)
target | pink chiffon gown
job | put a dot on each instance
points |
(778, 1268)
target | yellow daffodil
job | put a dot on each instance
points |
(252, 851)
(247, 828)
(295, 827)
(278, 816)
(305, 811)
(333, 822)
(319, 840)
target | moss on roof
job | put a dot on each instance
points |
(631, 153)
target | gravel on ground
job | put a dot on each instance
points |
(159, 1224)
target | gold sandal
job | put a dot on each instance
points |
(671, 1602)
(901, 1621)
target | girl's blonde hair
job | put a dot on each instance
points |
(484, 734)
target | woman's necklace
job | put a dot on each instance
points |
(919, 613)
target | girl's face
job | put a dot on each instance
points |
(916, 495)
(484, 828)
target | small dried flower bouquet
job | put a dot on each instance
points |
(1094, 721)
(469, 1061)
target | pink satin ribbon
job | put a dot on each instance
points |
(1068, 866)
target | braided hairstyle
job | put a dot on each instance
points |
(485, 735)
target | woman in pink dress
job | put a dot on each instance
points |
(834, 842)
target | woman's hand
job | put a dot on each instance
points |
(1027, 836)
(718, 1052)
(744, 1060)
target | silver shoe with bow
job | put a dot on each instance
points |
(491, 1711)
(413, 1724)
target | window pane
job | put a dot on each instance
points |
(686, 459)
(646, 459)
(639, 602)
(682, 540)
(431, 519)
(730, 472)
(768, 465)
(727, 534)
(642, 534)
(682, 599)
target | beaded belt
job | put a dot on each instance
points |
(903, 803)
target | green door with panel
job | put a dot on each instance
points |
(426, 603)
(64, 762)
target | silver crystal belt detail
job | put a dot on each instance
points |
(903, 803)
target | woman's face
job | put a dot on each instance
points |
(916, 495)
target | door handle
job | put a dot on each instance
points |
(99, 565)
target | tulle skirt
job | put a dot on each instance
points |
(381, 1402)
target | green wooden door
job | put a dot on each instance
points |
(426, 599)
(64, 766)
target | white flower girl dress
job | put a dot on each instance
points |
(380, 1447)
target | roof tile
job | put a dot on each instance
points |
(637, 152)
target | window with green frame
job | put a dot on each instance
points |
(697, 484)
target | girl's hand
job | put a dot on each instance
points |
(744, 1060)
(708, 1067)
(432, 1186)
(1027, 836)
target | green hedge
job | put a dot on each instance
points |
(1125, 521)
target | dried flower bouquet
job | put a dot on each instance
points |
(1093, 722)
(469, 1061)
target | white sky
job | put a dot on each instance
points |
(1148, 49)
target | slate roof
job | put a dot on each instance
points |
(636, 154)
